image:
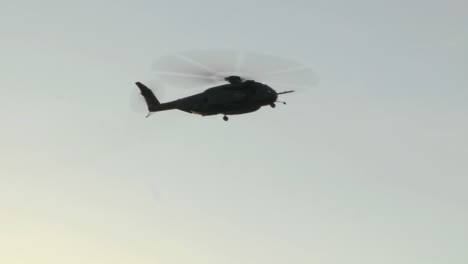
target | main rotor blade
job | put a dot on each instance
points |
(293, 78)
(187, 80)
(202, 68)
(201, 65)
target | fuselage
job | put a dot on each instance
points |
(228, 99)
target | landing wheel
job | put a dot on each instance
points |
(225, 118)
(273, 105)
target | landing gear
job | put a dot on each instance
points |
(273, 105)
(225, 118)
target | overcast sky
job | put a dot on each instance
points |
(369, 166)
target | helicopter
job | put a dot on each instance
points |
(229, 94)
(237, 97)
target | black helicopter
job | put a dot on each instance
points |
(238, 81)
(237, 97)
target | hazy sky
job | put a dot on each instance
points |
(369, 167)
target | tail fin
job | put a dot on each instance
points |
(151, 101)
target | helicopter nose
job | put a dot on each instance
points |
(274, 95)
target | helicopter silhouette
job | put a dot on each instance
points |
(235, 96)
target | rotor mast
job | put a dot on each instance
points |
(233, 79)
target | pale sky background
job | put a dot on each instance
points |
(369, 167)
